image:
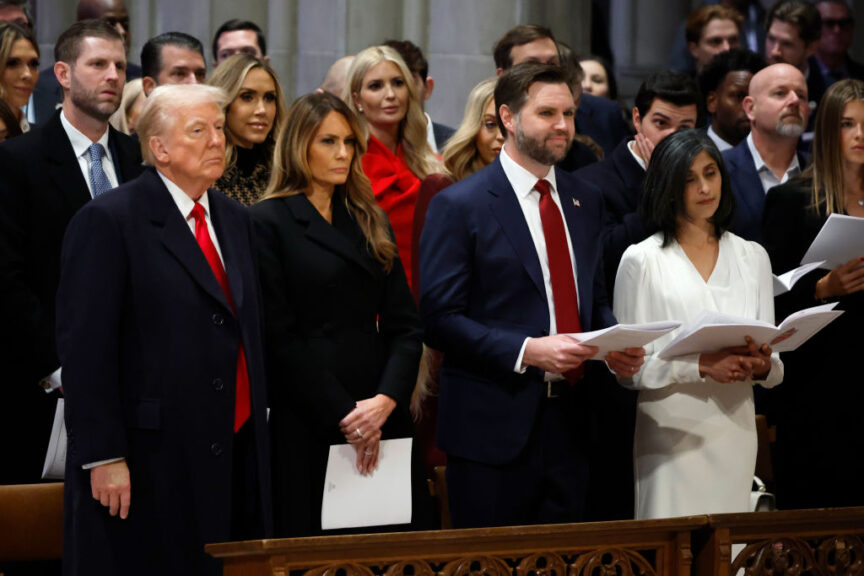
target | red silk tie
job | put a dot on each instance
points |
(202, 235)
(560, 269)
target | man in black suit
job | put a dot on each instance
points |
(239, 37)
(48, 94)
(510, 262)
(436, 134)
(838, 31)
(724, 83)
(46, 175)
(778, 110)
(793, 31)
(172, 58)
(598, 118)
(158, 329)
(666, 102)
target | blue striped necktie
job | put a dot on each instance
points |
(98, 180)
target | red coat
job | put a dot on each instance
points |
(396, 189)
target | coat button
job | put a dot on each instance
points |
(218, 320)
(216, 449)
(218, 385)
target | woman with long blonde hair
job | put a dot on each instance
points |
(253, 118)
(819, 409)
(342, 332)
(19, 68)
(380, 90)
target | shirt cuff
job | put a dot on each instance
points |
(101, 462)
(519, 368)
(52, 381)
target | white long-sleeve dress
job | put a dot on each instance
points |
(695, 443)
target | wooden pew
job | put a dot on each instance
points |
(31, 522)
(826, 542)
(636, 548)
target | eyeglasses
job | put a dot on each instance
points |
(842, 23)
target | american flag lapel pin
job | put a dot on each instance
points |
(577, 203)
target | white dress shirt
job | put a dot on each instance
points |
(522, 181)
(185, 204)
(81, 144)
(430, 134)
(631, 146)
(718, 141)
(766, 176)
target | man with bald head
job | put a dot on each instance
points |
(777, 108)
(334, 81)
(47, 96)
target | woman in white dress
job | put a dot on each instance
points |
(695, 442)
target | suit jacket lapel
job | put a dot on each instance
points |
(749, 183)
(127, 162)
(229, 233)
(326, 235)
(62, 165)
(505, 206)
(574, 216)
(177, 237)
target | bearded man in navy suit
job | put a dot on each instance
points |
(510, 261)
(159, 335)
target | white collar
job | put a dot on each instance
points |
(636, 157)
(80, 142)
(760, 163)
(430, 134)
(182, 200)
(718, 140)
(521, 179)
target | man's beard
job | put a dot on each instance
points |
(791, 130)
(88, 102)
(537, 150)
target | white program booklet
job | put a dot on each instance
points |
(623, 336)
(384, 497)
(55, 459)
(712, 331)
(840, 240)
(784, 282)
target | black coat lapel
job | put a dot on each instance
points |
(327, 236)
(177, 237)
(62, 165)
(230, 234)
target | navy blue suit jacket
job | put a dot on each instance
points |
(149, 348)
(620, 178)
(483, 294)
(602, 120)
(748, 191)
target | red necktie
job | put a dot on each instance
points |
(202, 235)
(560, 269)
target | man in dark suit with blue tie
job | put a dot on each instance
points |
(46, 175)
(158, 330)
(510, 263)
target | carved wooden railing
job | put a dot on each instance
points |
(788, 543)
(637, 548)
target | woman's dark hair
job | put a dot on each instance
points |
(610, 73)
(666, 181)
(8, 117)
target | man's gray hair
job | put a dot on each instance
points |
(161, 109)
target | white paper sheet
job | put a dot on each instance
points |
(784, 282)
(384, 497)
(841, 239)
(55, 458)
(623, 336)
(711, 331)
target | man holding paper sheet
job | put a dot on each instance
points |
(510, 260)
